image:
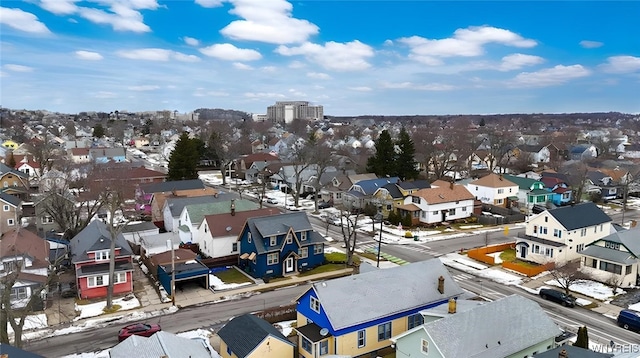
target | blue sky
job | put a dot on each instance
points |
(353, 57)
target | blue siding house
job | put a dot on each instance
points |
(280, 245)
(357, 315)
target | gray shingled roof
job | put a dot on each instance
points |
(393, 191)
(628, 238)
(603, 253)
(161, 344)
(10, 199)
(352, 300)
(7, 169)
(578, 216)
(95, 236)
(176, 205)
(140, 226)
(173, 185)
(465, 334)
(575, 352)
(273, 225)
(244, 333)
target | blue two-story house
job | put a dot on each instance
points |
(557, 185)
(280, 245)
(357, 315)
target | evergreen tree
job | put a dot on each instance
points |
(482, 122)
(184, 159)
(582, 340)
(98, 131)
(12, 160)
(383, 162)
(405, 160)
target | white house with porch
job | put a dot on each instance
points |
(614, 257)
(559, 235)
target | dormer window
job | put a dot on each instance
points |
(273, 241)
(303, 236)
(290, 239)
(249, 237)
(102, 255)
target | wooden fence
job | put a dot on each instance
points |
(482, 254)
(528, 271)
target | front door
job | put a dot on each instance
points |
(288, 265)
(523, 251)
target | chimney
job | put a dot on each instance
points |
(441, 284)
(452, 306)
(563, 354)
(451, 185)
(233, 207)
(501, 177)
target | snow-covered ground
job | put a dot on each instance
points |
(126, 303)
(217, 284)
(591, 289)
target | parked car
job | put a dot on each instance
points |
(272, 200)
(324, 205)
(558, 297)
(629, 319)
(138, 329)
(68, 290)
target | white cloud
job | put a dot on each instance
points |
(17, 68)
(156, 54)
(242, 66)
(22, 20)
(418, 87)
(209, 3)
(269, 69)
(590, 44)
(336, 56)
(361, 89)
(144, 88)
(550, 76)
(517, 61)
(104, 94)
(467, 42)
(88, 55)
(318, 75)
(267, 21)
(621, 64)
(263, 95)
(297, 64)
(231, 53)
(59, 7)
(191, 41)
(125, 20)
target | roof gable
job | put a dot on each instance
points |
(95, 236)
(244, 333)
(493, 181)
(578, 216)
(444, 194)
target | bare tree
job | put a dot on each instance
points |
(614, 281)
(349, 224)
(44, 151)
(567, 274)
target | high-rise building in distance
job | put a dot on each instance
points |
(287, 111)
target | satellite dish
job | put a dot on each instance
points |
(324, 332)
(228, 228)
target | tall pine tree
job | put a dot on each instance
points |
(406, 165)
(184, 158)
(383, 162)
(582, 340)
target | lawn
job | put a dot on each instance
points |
(323, 269)
(509, 255)
(340, 257)
(232, 275)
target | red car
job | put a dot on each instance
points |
(138, 329)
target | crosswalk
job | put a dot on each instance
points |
(372, 246)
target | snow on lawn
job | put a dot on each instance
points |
(217, 283)
(462, 263)
(286, 327)
(35, 321)
(96, 309)
(635, 307)
(590, 288)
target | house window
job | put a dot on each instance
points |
(609, 267)
(318, 249)
(414, 320)
(324, 347)
(424, 346)
(206, 229)
(19, 293)
(10, 222)
(579, 247)
(306, 344)
(583, 232)
(10, 266)
(627, 271)
(452, 211)
(548, 252)
(234, 247)
(102, 255)
(601, 227)
(229, 350)
(435, 212)
(303, 236)
(595, 229)
(612, 245)
(546, 219)
(272, 259)
(415, 199)
(47, 219)
(500, 191)
(499, 201)
(273, 241)
(362, 338)
(315, 304)
(543, 230)
(303, 252)
(120, 277)
(535, 229)
(424, 214)
(5, 207)
(384, 331)
(95, 281)
(536, 249)
(249, 237)
(557, 233)
(464, 208)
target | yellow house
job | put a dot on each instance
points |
(391, 196)
(14, 182)
(357, 315)
(252, 337)
(10, 144)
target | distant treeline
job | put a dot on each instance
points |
(222, 114)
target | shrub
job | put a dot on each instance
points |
(408, 235)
